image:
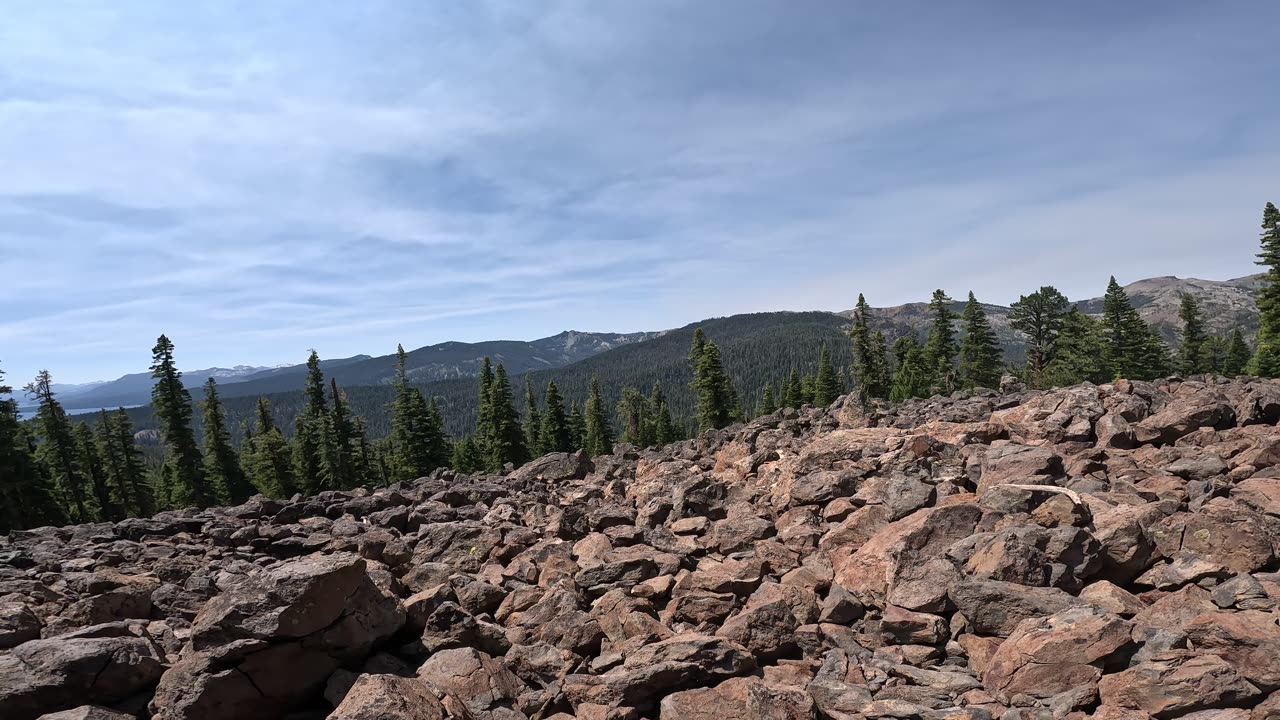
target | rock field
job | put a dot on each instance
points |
(1108, 552)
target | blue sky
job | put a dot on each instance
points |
(256, 179)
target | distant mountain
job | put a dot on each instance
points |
(444, 361)
(758, 348)
(1226, 304)
(135, 388)
(447, 361)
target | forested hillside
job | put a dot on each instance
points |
(758, 349)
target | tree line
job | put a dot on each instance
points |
(54, 469)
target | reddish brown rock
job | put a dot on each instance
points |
(1060, 653)
(387, 697)
(1178, 684)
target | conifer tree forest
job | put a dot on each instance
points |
(57, 468)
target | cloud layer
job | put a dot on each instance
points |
(256, 179)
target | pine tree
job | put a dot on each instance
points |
(112, 466)
(438, 449)
(792, 390)
(1157, 361)
(268, 461)
(1266, 359)
(1128, 337)
(598, 437)
(485, 428)
(912, 375)
(577, 428)
(825, 387)
(467, 457)
(368, 470)
(767, 404)
(715, 398)
(505, 441)
(1080, 352)
(221, 462)
(1213, 353)
(870, 367)
(633, 410)
(95, 473)
(339, 460)
(26, 499)
(311, 442)
(1039, 317)
(940, 347)
(554, 433)
(980, 356)
(133, 474)
(532, 420)
(411, 450)
(57, 450)
(1191, 356)
(664, 430)
(185, 480)
(806, 390)
(1237, 358)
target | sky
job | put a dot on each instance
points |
(257, 179)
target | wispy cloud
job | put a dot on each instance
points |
(258, 178)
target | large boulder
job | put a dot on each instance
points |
(101, 664)
(1177, 684)
(1063, 652)
(388, 697)
(269, 644)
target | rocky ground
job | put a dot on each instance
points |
(1089, 552)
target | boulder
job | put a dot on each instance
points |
(1178, 684)
(1064, 652)
(101, 664)
(388, 697)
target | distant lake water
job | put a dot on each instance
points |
(30, 412)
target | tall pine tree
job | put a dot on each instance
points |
(633, 410)
(185, 481)
(221, 461)
(598, 437)
(1039, 317)
(1131, 352)
(57, 450)
(1266, 359)
(664, 430)
(768, 405)
(870, 366)
(339, 460)
(104, 508)
(940, 346)
(268, 463)
(26, 500)
(505, 440)
(532, 420)
(412, 453)
(1238, 354)
(554, 433)
(980, 356)
(310, 439)
(713, 388)
(577, 428)
(1191, 356)
(1080, 353)
(912, 376)
(825, 387)
(792, 390)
